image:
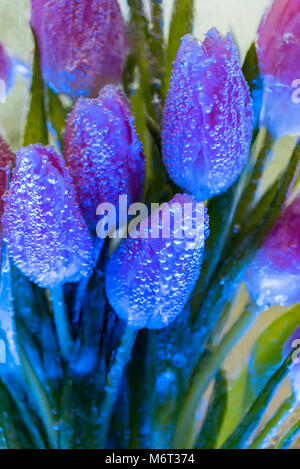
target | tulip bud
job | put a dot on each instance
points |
(46, 235)
(6, 73)
(292, 345)
(273, 277)
(103, 152)
(279, 55)
(152, 274)
(82, 43)
(207, 125)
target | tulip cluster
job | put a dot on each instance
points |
(200, 155)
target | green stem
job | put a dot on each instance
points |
(113, 381)
(40, 398)
(269, 429)
(239, 438)
(83, 284)
(250, 190)
(205, 372)
(288, 438)
(61, 321)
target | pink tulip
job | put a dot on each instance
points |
(82, 43)
(278, 50)
(274, 275)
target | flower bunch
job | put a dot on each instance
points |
(124, 244)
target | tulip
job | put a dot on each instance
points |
(278, 49)
(151, 276)
(82, 43)
(207, 124)
(47, 237)
(292, 345)
(103, 152)
(273, 277)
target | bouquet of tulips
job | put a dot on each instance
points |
(130, 217)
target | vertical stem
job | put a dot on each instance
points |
(271, 426)
(61, 321)
(113, 381)
(249, 191)
(288, 438)
(205, 372)
(40, 398)
(83, 284)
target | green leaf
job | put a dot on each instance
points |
(289, 436)
(140, 35)
(252, 74)
(139, 111)
(215, 414)
(250, 421)
(256, 173)
(14, 433)
(57, 115)
(266, 355)
(157, 45)
(241, 252)
(220, 212)
(239, 395)
(269, 430)
(36, 123)
(261, 207)
(181, 24)
(129, 75)
(36, 332)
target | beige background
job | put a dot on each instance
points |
(239, 16)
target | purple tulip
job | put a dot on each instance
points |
(274, 275)
(103, 152)
(47, 238)
(152, 274)
(278, 50)
(207, 125)
(292, 345)
(82, 43)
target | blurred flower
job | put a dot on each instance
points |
(82, 43)
(151, 276)
(103, 152)
(46, 235)
(278, 50)
(207, 125)
(293, 345)
(273, 277)
(6, 73)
